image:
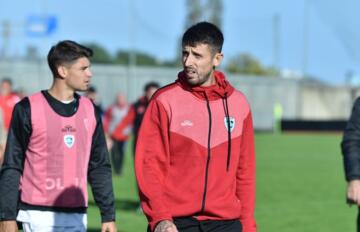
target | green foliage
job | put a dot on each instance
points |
(122, 57)
(100, 54)
(143, 59)
(247, 64)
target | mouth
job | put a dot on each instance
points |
(190, 72)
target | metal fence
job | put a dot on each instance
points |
(300, 99)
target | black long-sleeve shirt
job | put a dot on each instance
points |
(99, 169)
(351, 144)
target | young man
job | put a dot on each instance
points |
(351, 154)
(195, 158)
(56, 146)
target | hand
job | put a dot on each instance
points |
(108, 227)
(109, 141)
(165, 226)
(353, 192)
(8, 226)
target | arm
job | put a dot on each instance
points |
(3, 135)
(108, 227)
(107, 119)
(17, 142)
(351, 144)
(245, 183)
(351, 154)
(99, 174)
(152, 162)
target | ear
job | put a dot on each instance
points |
(62, 71)
(217, 59)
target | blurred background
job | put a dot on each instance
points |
(296, 61)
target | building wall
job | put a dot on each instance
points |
(299, 99)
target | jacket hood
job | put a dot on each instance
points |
(221, 89)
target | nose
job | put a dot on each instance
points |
(188, 60)
(89, 73)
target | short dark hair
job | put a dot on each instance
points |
(205, 33)
(91, 89)
(150, 85)
(66, 52)
(6, 80)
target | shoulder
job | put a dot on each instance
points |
(22, 108)
(357, 102)
(84, 100)
(166, 92)
(240, 97)
(23, 104)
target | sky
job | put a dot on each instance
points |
(329, 52)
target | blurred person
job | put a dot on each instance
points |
(8, 99)
(56, 146)
(136, 113)
(113, 117)
(21, 93)
(92, 94)
(195, 156)
(351, 156)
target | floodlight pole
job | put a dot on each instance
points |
(305, 38)
(6, 30)
(276, 42)
(132, 52)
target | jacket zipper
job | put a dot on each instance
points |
(208, 156)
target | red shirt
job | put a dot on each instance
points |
(7, 104)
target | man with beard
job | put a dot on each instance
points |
(195, 156)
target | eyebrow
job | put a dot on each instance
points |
(196, 53)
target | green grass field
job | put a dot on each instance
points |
(300, 187)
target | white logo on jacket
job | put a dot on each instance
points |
(69, 140)
(187, 123)
(232, 123)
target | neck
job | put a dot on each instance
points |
(60, 93)
(210, 81)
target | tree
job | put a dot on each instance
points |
(142, 59)
(100, 54)
(247, 64)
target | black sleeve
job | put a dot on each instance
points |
(351, 144)
(100, 176)
(11, 171)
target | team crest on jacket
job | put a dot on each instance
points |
(232, 123)
(69, 140)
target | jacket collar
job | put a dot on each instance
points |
(221, 89)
